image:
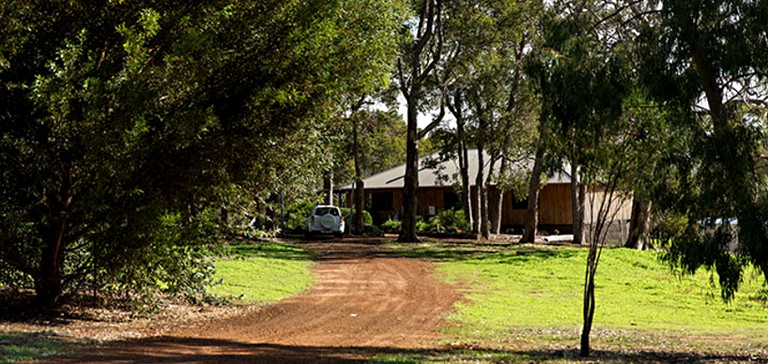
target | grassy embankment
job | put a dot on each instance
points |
(523, 304)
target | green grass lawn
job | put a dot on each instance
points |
(523, 303)
(262, 273)
(26, 346)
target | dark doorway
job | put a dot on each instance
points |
(450, 200)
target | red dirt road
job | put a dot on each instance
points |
(364, 301)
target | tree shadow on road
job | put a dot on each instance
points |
(195, 350)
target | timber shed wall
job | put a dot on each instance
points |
(554, 206)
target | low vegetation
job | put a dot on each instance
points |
(523, 303)
(23, 346)
(262, 273)
(249, 273)
(448, 221)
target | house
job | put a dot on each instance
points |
(439, 187)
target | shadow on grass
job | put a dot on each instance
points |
(195, 350)
(27, 346)
(268, 250)
(351, 248)
(560, 356)
(470, 250)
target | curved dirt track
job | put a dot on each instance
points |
(364, 301)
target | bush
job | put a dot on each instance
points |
(295, 214)
(391, 226)
(423, 226)
(449, 221)
(349, 214)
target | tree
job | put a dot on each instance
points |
(583, 75)
(123, 123)
(377, 144)
(487, 92)
(422, 54)
(705, 63)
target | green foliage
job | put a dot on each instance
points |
(296, 213)
(688, 57)
(130, 130)
(449, 221)
(392, 226)
(348, 213)
(424, 226)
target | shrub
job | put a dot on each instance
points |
(423, 226)
(450, 221)
(295, 214)
(349, 214)
(391, 226)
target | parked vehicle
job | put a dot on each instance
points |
(325, 219)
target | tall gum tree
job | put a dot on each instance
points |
(488, 94)
(421, 58)
(705, 62)
(584, 77)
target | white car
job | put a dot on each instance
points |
(325, 219)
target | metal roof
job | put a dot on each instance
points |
(446, 173)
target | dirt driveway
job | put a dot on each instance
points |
(364, 301)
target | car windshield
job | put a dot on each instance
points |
(326, 210)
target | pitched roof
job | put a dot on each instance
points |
(446, 173)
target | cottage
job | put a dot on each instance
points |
(439, 188)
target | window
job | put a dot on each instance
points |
(320, 211)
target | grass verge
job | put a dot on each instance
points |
(18, 347)
(262, 273)
(523, 304)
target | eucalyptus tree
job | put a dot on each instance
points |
(486, 91)
(122, 123)
(422, 56)
(583, 68)
(706, 63)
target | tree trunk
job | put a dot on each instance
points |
(49, 282)
(577, 202)
(497, 218)
(589, 306)
(328, 187)
(488, 212)
(479, 194)
(411, 180)
(358, 223)
(464, 171)
(430, 43)
(532, 213)
(499, 211)
(639, 225)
